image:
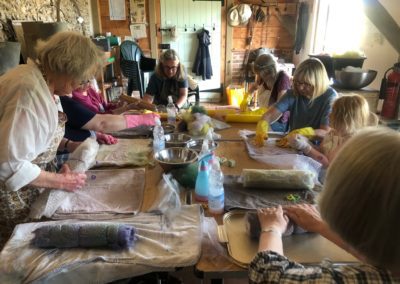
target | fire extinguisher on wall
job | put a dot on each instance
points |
(390, 89)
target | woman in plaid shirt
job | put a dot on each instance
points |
(360, 209)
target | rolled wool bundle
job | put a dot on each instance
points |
(253, 227)
(285, 179)
(113, 236)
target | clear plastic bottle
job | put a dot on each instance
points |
(158, 136)
(216, 194)
(171, 111)
(202, 183)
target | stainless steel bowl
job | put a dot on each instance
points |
(175, 157)
(197, 144)
(177, 140)
(354, 80)
(168, 128)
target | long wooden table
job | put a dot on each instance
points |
(212, 264)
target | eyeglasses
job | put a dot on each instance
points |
(172, 68)
(304, 84)
(83, 83)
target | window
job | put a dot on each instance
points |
(339, 26)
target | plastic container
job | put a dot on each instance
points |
(235, 95)
(216, 194)
(171, 111)
(158, 136)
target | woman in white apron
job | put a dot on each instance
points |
(31, 127)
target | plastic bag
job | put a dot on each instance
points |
(83, 158)
(168, 202)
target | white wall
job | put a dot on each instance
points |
(380, 54)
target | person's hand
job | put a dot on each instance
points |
(273, 217)
(261, 132)
(299, 142)
(105, 138)
(70, 181)
(306, 216)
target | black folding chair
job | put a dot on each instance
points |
(133, 65)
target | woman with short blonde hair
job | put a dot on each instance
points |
(169, 79)
(71, 55)
(309, 101)
(361, 196)
(360, 209)
(313, 73)
(32, 128)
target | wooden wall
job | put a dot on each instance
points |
(271, 34)
(121, 28)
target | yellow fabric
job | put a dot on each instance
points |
(261, 133)
(306, 131)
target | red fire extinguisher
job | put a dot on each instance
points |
(390, 88)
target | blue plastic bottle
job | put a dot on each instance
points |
(201, 187)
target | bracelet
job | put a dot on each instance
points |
(272, 230)
(66, 145)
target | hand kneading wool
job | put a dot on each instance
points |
(113, 236)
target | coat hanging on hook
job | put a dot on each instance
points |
(202, 63)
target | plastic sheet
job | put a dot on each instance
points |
(50, 200)
(167, 202)
(280, 158)
(155, 250)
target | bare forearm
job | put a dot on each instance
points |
(327, 233)
(272, 115)
(65, 181)
(270, 241)
(182, 98)
(106, 123)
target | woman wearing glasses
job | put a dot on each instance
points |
(271, 85)
(309, 101)
(169, 79)
(32, 127)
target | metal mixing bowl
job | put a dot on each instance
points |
(197, 144)
(354, 80)
(177, 140)
(168, 128)
(175, 157)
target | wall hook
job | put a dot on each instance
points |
(185, 28)
(194, 27)
(214, 27)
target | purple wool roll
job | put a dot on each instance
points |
(113, 236)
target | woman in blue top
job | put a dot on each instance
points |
(309, 101)
(169, 79)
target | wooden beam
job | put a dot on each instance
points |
(152, 28)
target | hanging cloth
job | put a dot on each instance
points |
(302, 25)
(202, 64)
